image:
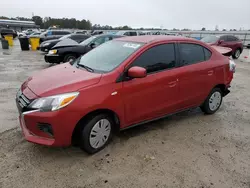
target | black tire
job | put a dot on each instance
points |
(205, 107)
(68, 57)
(86, 133)
(237, 53)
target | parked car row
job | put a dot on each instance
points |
(70, 49)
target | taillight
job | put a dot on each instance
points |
(232, 65)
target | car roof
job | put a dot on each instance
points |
(108, 35)
(59, 30)
(79, 34)
(154, 38)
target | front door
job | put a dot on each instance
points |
(157, 93)
(227, 41)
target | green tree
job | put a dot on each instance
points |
(38, 20)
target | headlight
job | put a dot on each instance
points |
(46, 44)
(53, 103)
(52, 51)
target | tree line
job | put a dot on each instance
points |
(69, 23)
(72, 23)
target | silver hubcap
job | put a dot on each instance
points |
(100, 133)
(237, 53)
(70, 58)
(214, 101)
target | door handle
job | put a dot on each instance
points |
(210, 73)
(173, 83)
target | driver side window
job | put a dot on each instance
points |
(157, 58)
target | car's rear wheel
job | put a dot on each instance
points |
(213, 101)
(69, 57)
(96, 133)
(237, 53)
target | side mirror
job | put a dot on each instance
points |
(220, 41)
(137, 72)
(92, 45)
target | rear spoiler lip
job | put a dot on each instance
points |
(223, 50)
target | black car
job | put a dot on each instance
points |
(48, 44)
(67, 50)
(4, 32)
(53, 34)
(96, 33)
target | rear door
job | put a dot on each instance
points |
(157, 93)
(197, 75)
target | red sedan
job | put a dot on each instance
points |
(228, 41)
(120, 84)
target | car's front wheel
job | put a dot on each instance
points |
(69, 57)
(213, 101)
(96, 133)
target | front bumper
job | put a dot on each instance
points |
(62, 123)
(33, 138)
(53, 58)
(46, 128)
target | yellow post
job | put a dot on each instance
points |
(34, 42)
(9, 38)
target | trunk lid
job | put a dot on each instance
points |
(223, 50)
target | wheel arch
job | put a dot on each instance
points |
(222, 87)
(75, 135)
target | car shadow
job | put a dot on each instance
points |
(158, 124)
(120, 138)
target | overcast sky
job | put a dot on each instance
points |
(193, 14)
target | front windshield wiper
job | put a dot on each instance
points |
(85, 67)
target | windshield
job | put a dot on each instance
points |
(87, 41)
(210, 39)
(65, 37)
(109, 55)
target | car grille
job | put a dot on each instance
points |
(22, 100)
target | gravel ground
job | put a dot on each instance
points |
(189, 149)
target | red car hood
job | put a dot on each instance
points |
(60, 79)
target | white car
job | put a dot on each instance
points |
(21, 34)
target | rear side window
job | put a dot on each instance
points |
(232, 38)
(223, 38)
(54, 33)
(191, 54)
(207, 54)
(60, 32)
(64, 33)
(127, 34)
(133, 34)
(157, 58)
